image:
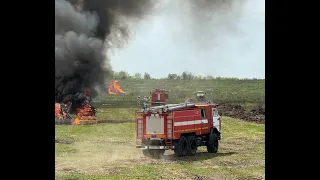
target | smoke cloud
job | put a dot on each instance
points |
(204, 37)
(82, 31)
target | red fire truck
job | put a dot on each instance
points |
(158, 97)
(179, 127)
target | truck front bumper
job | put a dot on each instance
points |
(155, 147)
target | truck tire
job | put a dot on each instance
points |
(181, 148)
(213, 143)
(153, 153)
(192, 146)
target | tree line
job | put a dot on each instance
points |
(122, 75)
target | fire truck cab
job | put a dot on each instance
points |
(200, 96)
(179, 127)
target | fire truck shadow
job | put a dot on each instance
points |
(199, 156)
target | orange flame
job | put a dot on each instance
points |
(114, 88)
(85, 114)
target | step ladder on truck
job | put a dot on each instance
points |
(178, 127)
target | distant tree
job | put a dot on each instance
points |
(209, 77)
(115, 75)
(187, 75)
(146, 76)
(123, 75)
(198, 77)
(184, 75)
(137, 76)
(172, 76)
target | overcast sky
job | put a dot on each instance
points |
(229, 43)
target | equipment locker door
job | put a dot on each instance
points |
(216, 119)
(204, 121)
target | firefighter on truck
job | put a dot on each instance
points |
(178, 127)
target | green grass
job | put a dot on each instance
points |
(116, 113)
(224, 90)
(107, 151)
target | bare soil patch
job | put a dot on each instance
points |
(256, 114)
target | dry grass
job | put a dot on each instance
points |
(107, 151)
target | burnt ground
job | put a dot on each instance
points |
(256, 114)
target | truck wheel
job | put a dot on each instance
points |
(192, 146)
(181, 148)
(213, 143)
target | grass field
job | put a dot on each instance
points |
(248, 91)
(107, 151)
(117, 114)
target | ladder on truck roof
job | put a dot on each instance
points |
(166, 108)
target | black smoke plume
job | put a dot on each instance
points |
(81, 30)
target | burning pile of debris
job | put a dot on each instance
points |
(85, 114)
(62, 115)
